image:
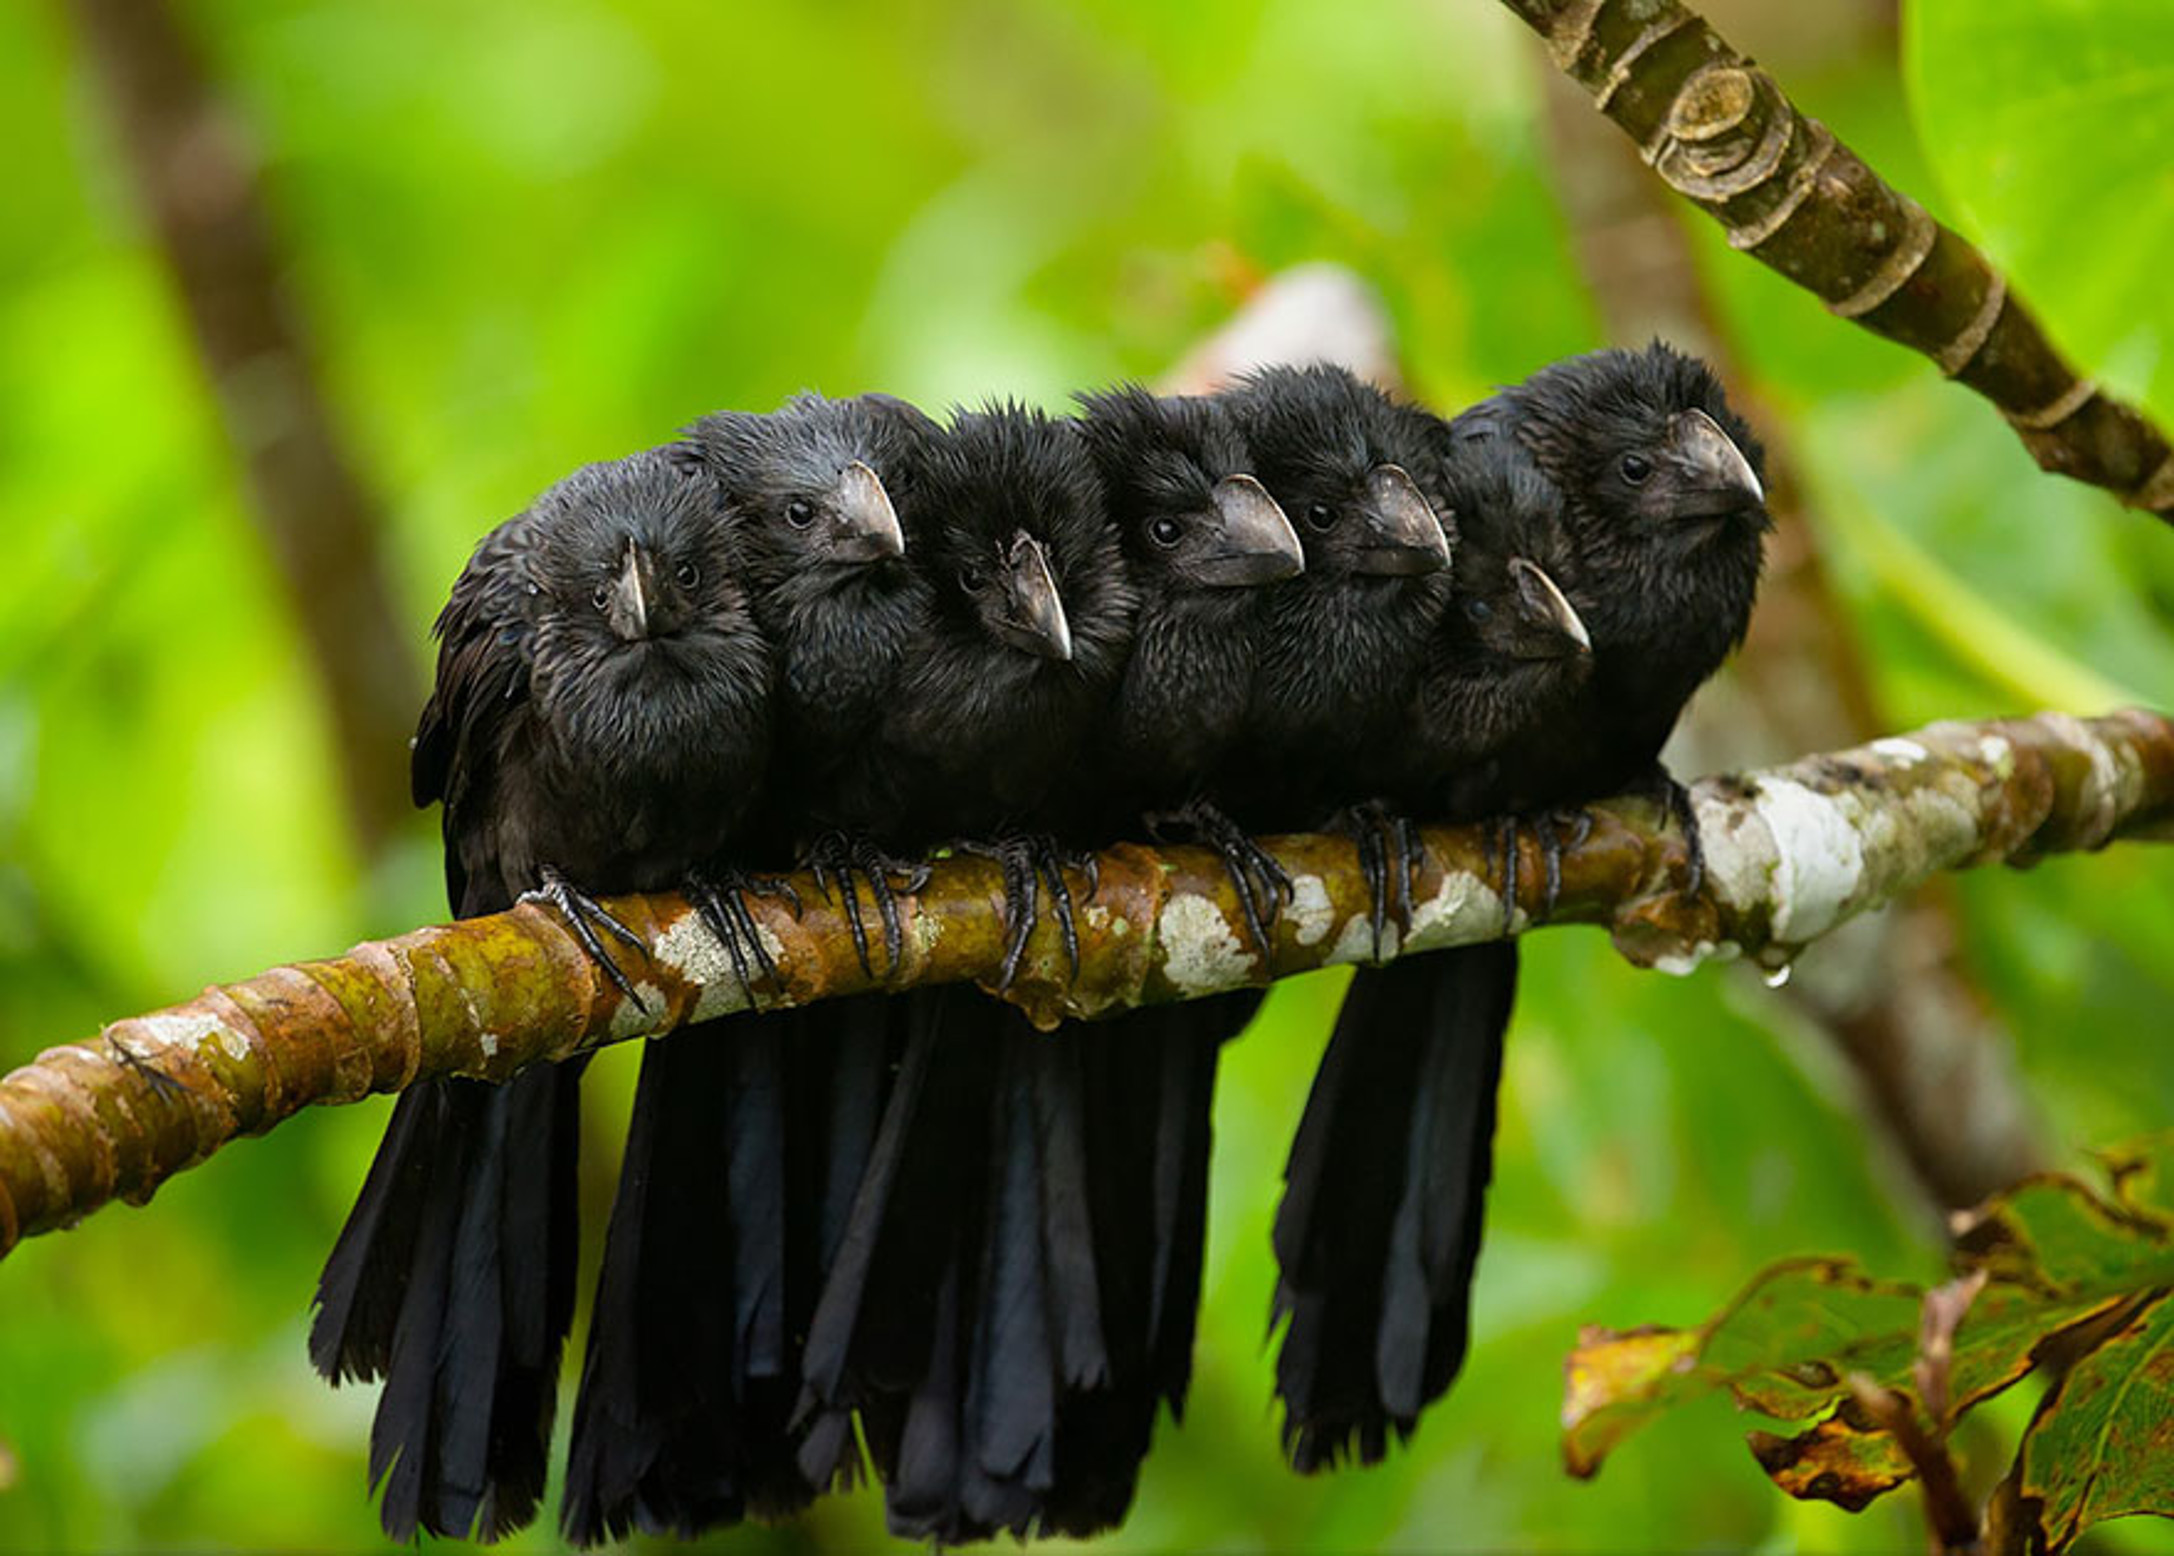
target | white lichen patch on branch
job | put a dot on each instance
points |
(1901, 751)
(638, 1017)
(2112, 789)
(1998, 754)
(191, 1030)
(1681, 964)
(1356, 943)
(1819, 856)
(1202, 954)
(1309, 910)
(691, 949)
(1463, 909)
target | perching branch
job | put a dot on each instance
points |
(1791, 852)
(1720, 132)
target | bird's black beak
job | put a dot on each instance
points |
(632, 595)
(1250, 541)
(1549, 608)
(1034, 617)
(1716, 478)
(863, 524)
(1402, 536)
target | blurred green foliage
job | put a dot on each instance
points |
(526, 236)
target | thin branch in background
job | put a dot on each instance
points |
(1931, 1063)
(196, 173)
(1721, 133)
(1790, 854)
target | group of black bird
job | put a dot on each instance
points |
(912, 1227)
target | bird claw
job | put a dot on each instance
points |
(1675, 801)
(1262, 884)
(1502, 863)
(1029, 861)
(721, 900)
(841, 863)
(1389, 855)
(1548, 828)
(583, 914)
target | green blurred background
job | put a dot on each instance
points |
(523, 236)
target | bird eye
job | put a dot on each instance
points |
(1165, 531)
(799, 514)
(1321, 516)
(688, 575)
(600, 596)
(970, 578)
(1636, 467)
(1478, 610)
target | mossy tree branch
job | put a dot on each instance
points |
(1721, 133)
(1791, 852)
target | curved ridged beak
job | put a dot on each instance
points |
(1035, 622)
(1548, 607)
(1402, 537)
(1252, 542)
(1713, 466)
(863, 524)
(627, 609)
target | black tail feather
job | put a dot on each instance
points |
(460, 1298)
(720, 1238)
(1379, 1231)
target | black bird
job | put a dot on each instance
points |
(964, 1298)
(599, 718)
(1628, 483)
(1339, 648)
(1200, 531)
(746, 1143)
(1379, 1225)
(1200, 535)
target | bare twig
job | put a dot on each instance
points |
(196, 172)
(1791, 853)
(1720, 132)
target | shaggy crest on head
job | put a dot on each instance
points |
(1024, 545)
(1178, 480)
(1645, 435)
(1340, 456)
(817, 486)
(1510, 601)
(642, 629)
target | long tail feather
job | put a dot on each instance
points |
(1379, 1231)
(453, 1280)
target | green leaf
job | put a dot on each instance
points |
(2050, 123)
(2075, 1282)
(1842, 1460)
(2102, 1443)
(1783, 1348)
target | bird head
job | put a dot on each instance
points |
(632, 554)
(809, 487)
(1645, 438)
(1020, 545)
(1189, 512)
(1334, 452)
